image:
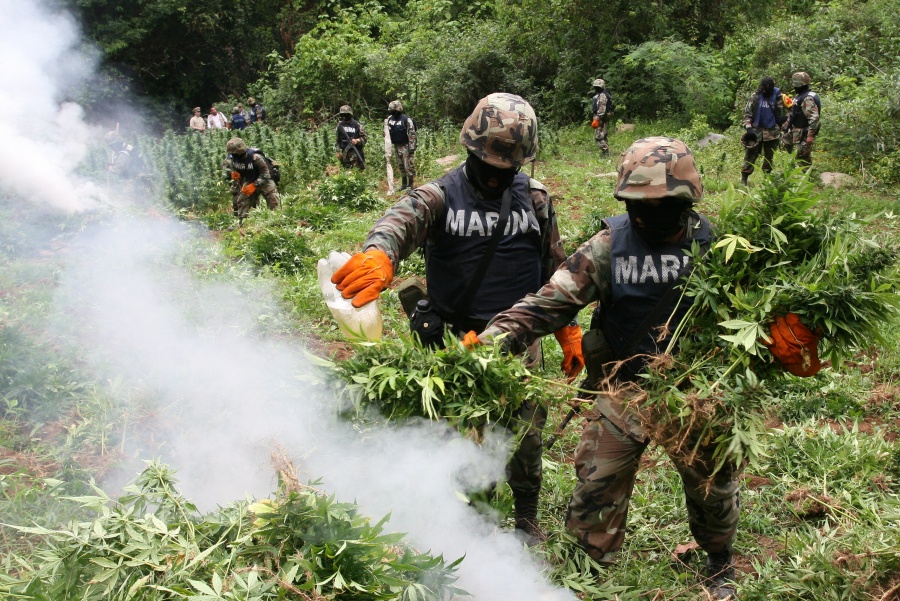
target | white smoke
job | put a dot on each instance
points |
(223, 391)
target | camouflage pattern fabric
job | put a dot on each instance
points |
(795, 137)
(767, 148)
(660, 168)
(525, 468)
(607, 461)
(601, 133)
(501, 131)
(241, 203)
(764, 133)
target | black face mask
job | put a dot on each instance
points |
(396, 113)
(659, 223)
(483, 175)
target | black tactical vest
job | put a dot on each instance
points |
(346, 132)
(641, 275)
(397, 130)
(459, 238)
(798, 117)
(245, 165)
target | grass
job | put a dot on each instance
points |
(820, 512)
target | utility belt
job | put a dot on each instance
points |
(426, 321)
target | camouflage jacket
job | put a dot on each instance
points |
(811, 111)
(599, 101)
(585, 277)
(407, 225)
(258, 161)
(765, 133)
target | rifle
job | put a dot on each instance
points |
(362, 162)
(575, 405)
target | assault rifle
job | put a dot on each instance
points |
(362, 161)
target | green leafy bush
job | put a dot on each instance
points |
(348, 189)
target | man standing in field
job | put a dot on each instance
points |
(763, 116)
(659, 184)
(601, 111)
(400, 139)
(350, 140)
(802, 126)
(216, 120)
(197, 124)
(475, 265)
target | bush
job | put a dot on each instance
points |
(348, 189)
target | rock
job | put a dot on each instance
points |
(620, 127)
(835, 179)
(448, 160)
(710, 138)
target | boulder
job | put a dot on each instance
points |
(710, 138)
(620, 127)
(835, 179)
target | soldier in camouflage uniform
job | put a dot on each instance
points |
(764, 115)
(802, 125)
(400, 138)
(454, 217)
(600, 105)
(250, 178)
(350, 138)
(627, 268)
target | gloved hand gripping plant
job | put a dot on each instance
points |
(786, 283)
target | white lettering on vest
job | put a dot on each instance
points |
(649, 270)
(670, 265)
(491, 217)
(626, 270)
(455, 222)
(475, 224)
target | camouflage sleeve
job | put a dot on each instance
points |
(601, 106)
(749, 109)
(363, 136)
(263, 168)
(583, 278)
(811, 110)
(405, 226)
(552, 252)
(411, 134)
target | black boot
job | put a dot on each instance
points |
(526, 519)
(720, 576)
(744, 177)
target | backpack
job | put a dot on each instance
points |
(274, 169)
(610, 105)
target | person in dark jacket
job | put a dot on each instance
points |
(764, 114)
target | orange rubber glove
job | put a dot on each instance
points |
(595, 123)
(569, 338)
(794, 345)
(248, 189)
(364, 276)
(470, 340)
(235, 175)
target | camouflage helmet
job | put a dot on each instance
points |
(799, 79)
(345, 110)
(658, 168)
(236, 145)
(251, 100)
(395, 105)
(501, 131)
(598, 83)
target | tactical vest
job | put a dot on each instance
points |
(641, 275)
(798, 117)
(397, 130)
(245, 165)
(238, 121)
(346, 132)
(458, 240)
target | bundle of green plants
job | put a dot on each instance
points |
(153, 544)
(777, 252)
(469, 389)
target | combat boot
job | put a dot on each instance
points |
(526, 508)
(744, 177)
(720, 576)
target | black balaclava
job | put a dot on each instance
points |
(655, 224)
(482, 175)
(767, 86)
(396, 113)
(801, 89)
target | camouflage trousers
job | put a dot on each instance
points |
(405, 160)
(607, 462)
(601, 135)
(767, 149)
(350, 159)
(241, 203)
(795, 139)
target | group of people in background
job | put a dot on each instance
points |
(239, 120)
(773, 119)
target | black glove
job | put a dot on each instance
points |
(751, 133)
